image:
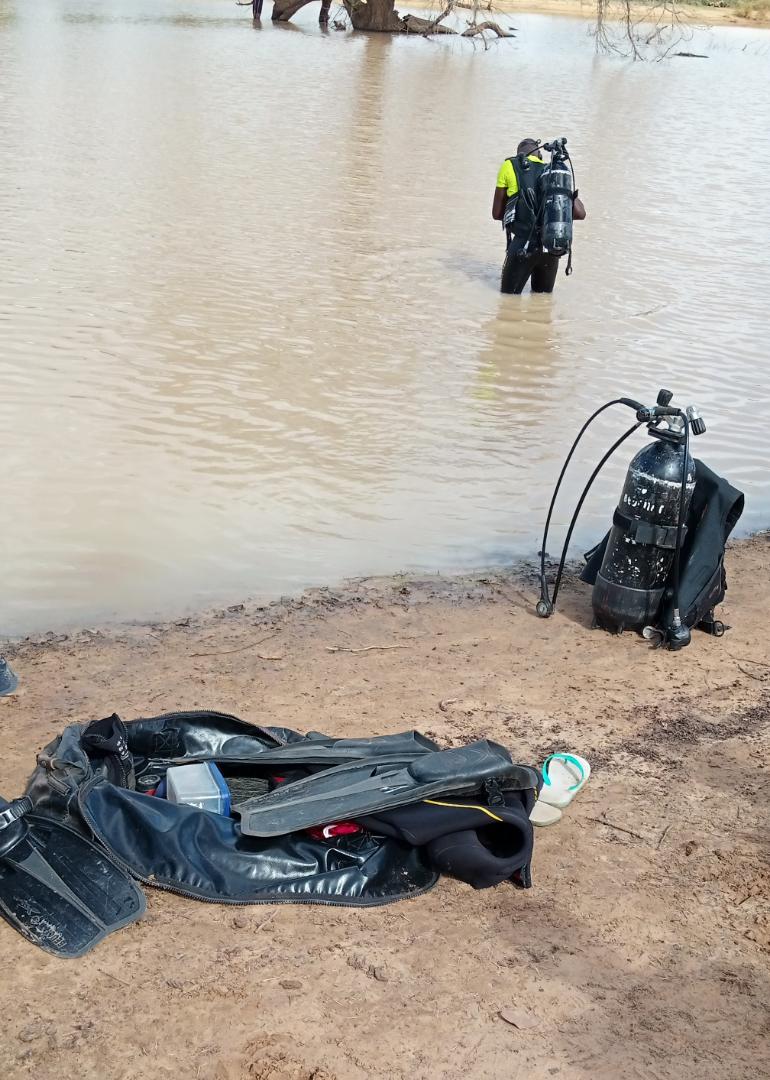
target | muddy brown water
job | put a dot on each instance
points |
(251, 334)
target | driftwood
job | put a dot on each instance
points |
(414, 24)
(242, 648)
(493, 28)
(433, 26)
(619, 828)
(366, 648)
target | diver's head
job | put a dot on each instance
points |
(527, 147)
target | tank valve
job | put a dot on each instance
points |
(697, 423)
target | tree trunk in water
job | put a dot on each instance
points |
(375, 15)
(284, 9)
(379, 15)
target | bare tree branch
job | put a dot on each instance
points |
(439, 18)
(491, 26)
(627, 29)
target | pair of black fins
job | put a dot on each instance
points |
(57, 888)
(362, 788)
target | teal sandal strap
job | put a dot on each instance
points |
(571, 760)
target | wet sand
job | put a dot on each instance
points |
(641, 950)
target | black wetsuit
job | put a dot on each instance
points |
(520, 266)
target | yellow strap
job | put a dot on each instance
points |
(464, 806)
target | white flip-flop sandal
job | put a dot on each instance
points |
(564, 775)
(543, 814)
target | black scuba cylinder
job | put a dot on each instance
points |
(557, 194)
(637, 563)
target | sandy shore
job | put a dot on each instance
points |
(641, 951)
(689, 13)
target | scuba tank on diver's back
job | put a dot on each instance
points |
(557, 195)
(538, 216)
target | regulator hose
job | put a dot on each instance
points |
(568, 269)
(677, 634)
(545, 606)
(581, 500)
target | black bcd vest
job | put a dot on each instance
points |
(528, 198)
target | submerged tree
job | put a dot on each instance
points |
(383, 17)
(635, 28)
(640, 30)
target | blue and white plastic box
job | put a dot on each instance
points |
(200, 785)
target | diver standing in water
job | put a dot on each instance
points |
(536, 204)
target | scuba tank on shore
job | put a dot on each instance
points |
(660, 569)
(640, 550)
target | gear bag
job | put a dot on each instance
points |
(94, 778)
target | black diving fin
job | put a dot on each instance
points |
(58, 888)
(360, 788)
